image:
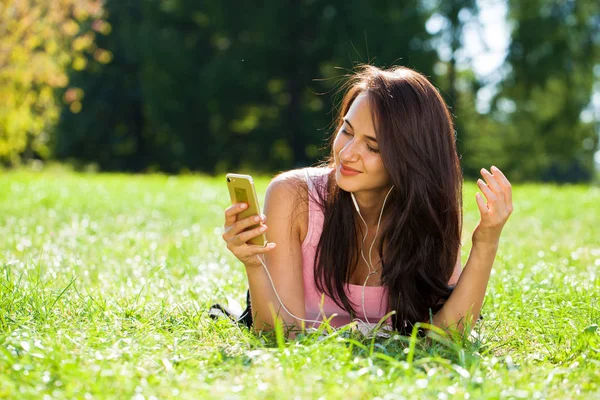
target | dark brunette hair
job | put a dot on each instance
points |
(422, 221)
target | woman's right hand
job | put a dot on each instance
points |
(236, 238)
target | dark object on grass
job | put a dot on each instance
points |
(245, 318)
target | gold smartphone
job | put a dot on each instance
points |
(241, 190)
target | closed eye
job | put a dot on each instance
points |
(371, 149)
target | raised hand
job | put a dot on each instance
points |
(494, 213)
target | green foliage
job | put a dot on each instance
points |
(199, 87)
(40, 40)
(540, 110)
(456, 87)
(184, 85)
(105, 281)
(110, 129)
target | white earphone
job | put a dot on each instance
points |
(369, 264)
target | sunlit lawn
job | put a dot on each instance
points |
(105, 281)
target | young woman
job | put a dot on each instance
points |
(377, 227)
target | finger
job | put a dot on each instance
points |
(242, 225)
(492, 183)
(248, 235)
(487, 192)
(505, 184)
(256, 249)
(483, 209)
(245, 223)
(232, 212)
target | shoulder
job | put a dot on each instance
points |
(283, 201)
(292, 184)
(287, 198)
(287, 184)
(285, 194)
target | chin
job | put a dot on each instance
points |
(342, 182)
(339, 179)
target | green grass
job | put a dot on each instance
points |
(105, 281)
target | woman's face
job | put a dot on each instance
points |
(355, 146)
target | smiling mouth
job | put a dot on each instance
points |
(347, 170)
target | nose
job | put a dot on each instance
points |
(349, 152)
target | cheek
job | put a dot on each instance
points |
(380, 168)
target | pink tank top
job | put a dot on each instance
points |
(375, 296)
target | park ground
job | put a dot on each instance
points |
(105, 280)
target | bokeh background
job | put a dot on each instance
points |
(216, 86)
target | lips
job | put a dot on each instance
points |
(347, 168)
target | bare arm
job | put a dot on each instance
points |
(284, 262)
(465, 302)
(457, 271)
(467, 298)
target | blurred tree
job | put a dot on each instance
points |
(187, 85)
(110, 129)
(459, 87)
(40, 39)
(542, 109)
(213, 90)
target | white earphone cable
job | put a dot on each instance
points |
(369, 265)
(278, 298)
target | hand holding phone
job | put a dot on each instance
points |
(244, 233)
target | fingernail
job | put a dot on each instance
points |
(243, 205)
(271, 245)
(256, 219)
(263, 228)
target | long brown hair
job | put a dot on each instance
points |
(423, 215)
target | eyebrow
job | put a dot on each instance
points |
(368, 137)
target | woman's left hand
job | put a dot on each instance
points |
(495, 213)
